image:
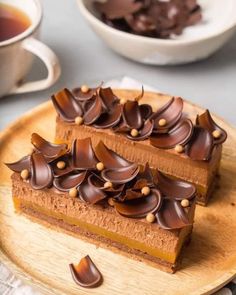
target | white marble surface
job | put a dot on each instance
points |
(84, 58)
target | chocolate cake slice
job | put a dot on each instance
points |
(167, 138)
(100, 195)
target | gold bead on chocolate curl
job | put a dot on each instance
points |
(61, 165)
(145, 191)
(24, 174)
(162, 122)
(111, 202)
(100, 166)
(134, 132)
(179, 148)
(108, 184)
(150, 217)
(84, 88)
(73, 192)
(123, 101)
(185, 203)
(79, 120)
(216, 133)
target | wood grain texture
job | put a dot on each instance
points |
(41, 255)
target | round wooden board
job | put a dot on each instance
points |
(41, 255)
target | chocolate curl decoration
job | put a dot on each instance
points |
(140, 207)
(108, 97)
(109, 119)
(121, 175)
(83, 97)
(146, 111)
(145, 132)
(68, 165)
(83, 156)
(115, 9)
(132, 115)
(66, 182)
(172, 215)
(181, 134)
(171, 112)
(66, 105)
(175, 189)
(18, 166)
(41, 173)
(201, 145)
(50, 150)
(205, 121)
(94, 111)
(90, 193)
(147, 175)
(86, 274)
(109, 158)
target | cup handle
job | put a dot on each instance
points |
(49, 59)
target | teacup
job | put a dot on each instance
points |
(16, 53)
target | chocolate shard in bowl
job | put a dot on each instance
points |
(115, 9)
(86, 274)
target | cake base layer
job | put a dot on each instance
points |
(100, 241)
(201, 173)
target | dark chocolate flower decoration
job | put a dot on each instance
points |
(83, 156)
(201, 145)
(40, 171)
(172, 215)
(108, 97)
(110, 118)
(66, 105)
(86, 274)
(180, 134)
(83, 96)
(175, 189)
(67, 159)
(69, 181)
(140, 207)
(145, 132)
(50, 150)
(205, 121)
(18, 166)
(115, 9)
(170, 113)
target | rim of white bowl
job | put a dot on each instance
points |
(89, 15)
(35, 24)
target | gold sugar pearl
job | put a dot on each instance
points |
(150, 217)
(79, 120)
(216, 133)
(111, 202)
(145, 191)
(123, 101)
(73, 192)
(61, 165)
(84, 88)
(108, 184)
(24, 174)
(134, 132)
(100, 166)
(185, 203)
(162, 122)
(179, 148)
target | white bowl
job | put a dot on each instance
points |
(196, 43)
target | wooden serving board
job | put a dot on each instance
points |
(41, 255)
